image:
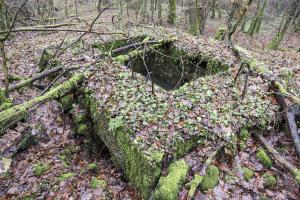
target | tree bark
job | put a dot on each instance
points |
(213, 9)
(5, 69)
(256, 22)
(172, 12)
(159, 12)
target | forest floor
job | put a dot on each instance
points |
(72, 174)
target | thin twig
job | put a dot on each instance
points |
(81, 36)
(14, 21)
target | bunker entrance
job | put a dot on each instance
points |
(169, 67)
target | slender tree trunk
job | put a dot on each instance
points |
(120, 16)
(159, 8)
(193, 17)
(144, 9)
(76, 8)
(2, 16)
(66, 8)
(5, 69)
(172, 12)
(213, 9)
(152, 6)
(99, 5)
(202, 14)
(232, 26)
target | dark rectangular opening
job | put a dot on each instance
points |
(169, 67)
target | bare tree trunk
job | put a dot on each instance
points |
(159, 12)
(120, 16)
(202, 14)
(66, 8)
(152, 10)
(172, 12)
(5, 69)
(76, 8)
(193, 17)
(99, 5)
(2, 16)
(213, 9)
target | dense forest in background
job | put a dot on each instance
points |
(150, 99)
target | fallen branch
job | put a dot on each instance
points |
(14, 114)
(31, 29)
(125, 48)
(54, 25)
(53, 82)
(125, 58)
(292, 169)
(35, 78)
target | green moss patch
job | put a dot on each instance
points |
(211, 178)
(247, 173)
(264, 158)
(40, 168)
(65, 176)
(168, 187)
(269, 179)
(92, 167)
(97, 183)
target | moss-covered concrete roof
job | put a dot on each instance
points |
(209, 104)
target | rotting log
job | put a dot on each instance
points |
(12, 115)
(281, 160)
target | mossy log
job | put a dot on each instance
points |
(12, 115)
